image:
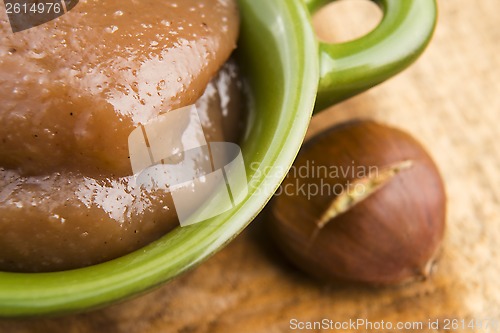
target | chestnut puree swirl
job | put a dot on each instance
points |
(71, 92)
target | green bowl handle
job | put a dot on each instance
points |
(349, 68)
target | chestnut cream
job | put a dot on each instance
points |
(72, 90)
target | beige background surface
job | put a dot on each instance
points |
(450, 101)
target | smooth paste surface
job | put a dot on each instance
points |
(71, 92)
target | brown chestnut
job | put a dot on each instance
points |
(363, 203)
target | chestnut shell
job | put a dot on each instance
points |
(390, 237)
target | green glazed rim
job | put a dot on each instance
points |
(279, 54)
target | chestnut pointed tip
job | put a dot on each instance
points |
(422, 273)
(428, 269)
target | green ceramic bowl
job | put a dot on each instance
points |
(283, 63)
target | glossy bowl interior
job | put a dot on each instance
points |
(277, 52)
